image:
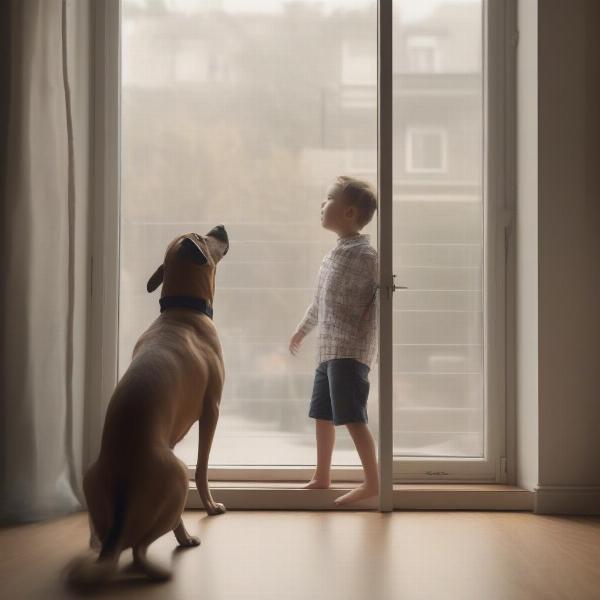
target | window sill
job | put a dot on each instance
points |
(237, 495)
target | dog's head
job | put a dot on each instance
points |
(190, 264)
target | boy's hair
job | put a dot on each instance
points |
(359, 194)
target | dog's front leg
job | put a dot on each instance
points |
(183, 537)
(206, 429)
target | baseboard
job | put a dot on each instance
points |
(289, 496)
(462, 497)
(567, 500)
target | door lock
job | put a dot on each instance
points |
(392, 288)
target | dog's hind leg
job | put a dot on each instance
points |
(152, 570)
(100, 507)
(169, 485)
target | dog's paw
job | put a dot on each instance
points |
(216, 509)
(192, 540)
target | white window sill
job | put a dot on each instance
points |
(237, 495)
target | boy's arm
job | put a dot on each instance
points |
(310, 318)
(305, 326)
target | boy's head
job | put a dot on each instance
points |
(349, 206)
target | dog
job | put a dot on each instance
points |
(137, 489)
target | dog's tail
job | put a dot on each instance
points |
(90, 570)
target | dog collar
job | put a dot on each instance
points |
(198, 304)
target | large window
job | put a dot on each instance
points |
(242, 113)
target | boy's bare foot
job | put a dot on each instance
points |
(316, 484)
(360, 493)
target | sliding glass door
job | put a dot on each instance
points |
(242, 113)
(440, 242)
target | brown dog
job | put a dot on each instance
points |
(136, 490)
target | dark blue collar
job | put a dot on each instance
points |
(198, 304)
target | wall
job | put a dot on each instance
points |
(569, 255)
(558, 253)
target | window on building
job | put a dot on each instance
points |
(426, 150)
(422, 54)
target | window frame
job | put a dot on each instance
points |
(499, 190)
(498, 53)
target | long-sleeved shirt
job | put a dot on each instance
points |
(345, 302)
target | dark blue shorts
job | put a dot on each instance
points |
(340, 391)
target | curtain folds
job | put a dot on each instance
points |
(45, 150)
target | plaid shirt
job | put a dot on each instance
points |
(344, 306)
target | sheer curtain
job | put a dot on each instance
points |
(45, 160)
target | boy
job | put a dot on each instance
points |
(344, 307)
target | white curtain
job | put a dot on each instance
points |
(45, 157)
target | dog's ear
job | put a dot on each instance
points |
(156, 279)
(191, 249)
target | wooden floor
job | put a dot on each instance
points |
(330, 555)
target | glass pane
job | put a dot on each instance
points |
(242, 113)
(438, 228)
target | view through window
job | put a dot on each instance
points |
(242, 113)
(438, 229)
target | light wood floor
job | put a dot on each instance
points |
(331, 555)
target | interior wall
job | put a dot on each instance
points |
(569, 255)
(526, 232)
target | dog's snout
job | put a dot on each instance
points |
(220, 233)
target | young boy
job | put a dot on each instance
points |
(344, 307)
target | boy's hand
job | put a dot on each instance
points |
(296, 342)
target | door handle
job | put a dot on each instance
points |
(397, 287)
(392, 288)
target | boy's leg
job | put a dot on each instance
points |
(349, 381)
(320, 410)
(365, 446)
(325, 433)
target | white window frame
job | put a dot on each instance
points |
(410, 134)
(499, 192)
(499, 204)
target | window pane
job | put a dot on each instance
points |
(242, 113)
(438, 228)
